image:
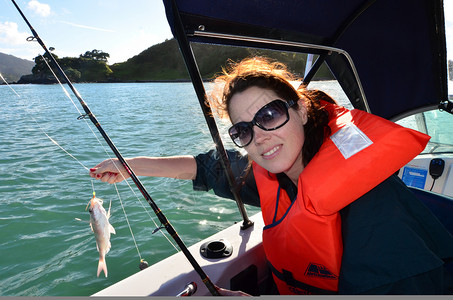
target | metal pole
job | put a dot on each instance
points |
(197, 81)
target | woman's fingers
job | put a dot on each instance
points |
(110, 177)
(108, 171)
(225, 292)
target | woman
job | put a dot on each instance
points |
(336, 220)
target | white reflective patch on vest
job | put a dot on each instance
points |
(350, 140)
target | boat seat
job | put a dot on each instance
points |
(441, 206)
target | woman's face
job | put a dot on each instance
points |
(278, 150)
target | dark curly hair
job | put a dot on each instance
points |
(264, 73)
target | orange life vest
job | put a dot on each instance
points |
(302, 237)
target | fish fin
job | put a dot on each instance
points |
(102, 266)
(97, 246)
(80, 220)
(91, 226)
(90, 202)
(112, 230)
(108, 248)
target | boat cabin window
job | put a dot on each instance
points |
(333, 89)
(435, 123)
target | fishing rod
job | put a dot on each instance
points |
(160, 215)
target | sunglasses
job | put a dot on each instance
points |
(270, 117)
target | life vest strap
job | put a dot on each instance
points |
(288, 278)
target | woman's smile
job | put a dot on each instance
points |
(273, 152)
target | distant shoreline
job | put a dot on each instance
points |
(137, 81)
(115, 81)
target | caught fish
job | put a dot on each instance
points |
(99, 222)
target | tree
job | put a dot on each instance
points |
(41, 65)
(73, 75)
(96, 55)
(90, 67)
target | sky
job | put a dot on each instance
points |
(121, 28)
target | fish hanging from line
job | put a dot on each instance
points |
(99, 222)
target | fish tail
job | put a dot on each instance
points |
(102, 266)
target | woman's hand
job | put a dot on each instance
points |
(110, 170)
(225, 292)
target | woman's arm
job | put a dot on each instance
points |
(205, 170)
(180, 167)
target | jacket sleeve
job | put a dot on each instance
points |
(211, 176)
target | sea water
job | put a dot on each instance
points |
(44, 250)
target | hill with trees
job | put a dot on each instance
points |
(12, 68)
(164, 62)
(89, 67)
(161, 62)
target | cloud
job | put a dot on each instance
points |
(12, 42)
(86, 27)
(38, 8)
(10, 35)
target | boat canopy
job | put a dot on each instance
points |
(389, 56)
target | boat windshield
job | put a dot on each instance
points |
(437, 124)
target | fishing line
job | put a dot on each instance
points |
(92, 185)
(97, 138)
(128, 224)
(143, 263)
(55, 142)
(50, 138)
(66, 93)
(111, 159)
(106, 152)
(9, 85)
(86, 168)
